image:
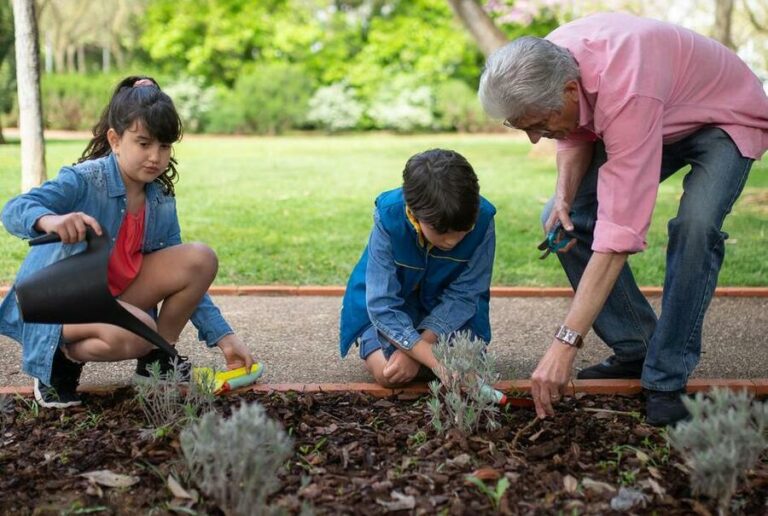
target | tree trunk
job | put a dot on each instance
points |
(723, 17)
(487, 35)
(28, 89)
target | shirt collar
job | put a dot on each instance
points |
(417, 227)
(115, 185)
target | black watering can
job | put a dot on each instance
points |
(74, 291)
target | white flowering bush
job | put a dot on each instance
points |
(192, 99)
(335, 108)
(403, 105)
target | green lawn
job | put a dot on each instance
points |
(297, 210)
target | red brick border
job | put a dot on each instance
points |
(623, 387)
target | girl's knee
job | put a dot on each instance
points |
(201, 259)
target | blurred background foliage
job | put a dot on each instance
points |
(271, 66)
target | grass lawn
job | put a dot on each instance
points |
(297, 209)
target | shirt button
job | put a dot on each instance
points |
(405, 343)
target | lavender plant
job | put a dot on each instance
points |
(6, 412)
(235, 461)
(465, 400)
(166, 401)
(724, 437)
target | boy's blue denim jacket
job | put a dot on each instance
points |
(399, 276)
(94, 187)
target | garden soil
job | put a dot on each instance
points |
(355, 454)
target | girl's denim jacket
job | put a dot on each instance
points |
(402, 286)
(96, 188)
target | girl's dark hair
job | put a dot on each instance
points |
(440, 188)
(138, 98)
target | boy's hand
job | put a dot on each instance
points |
(70, 227)
(235, 352)
(400, 368)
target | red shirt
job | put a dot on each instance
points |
(125, 260)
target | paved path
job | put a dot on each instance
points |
(296, 339)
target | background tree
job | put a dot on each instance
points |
(28, 81)
(7, 62)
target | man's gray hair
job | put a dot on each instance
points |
(525, 76)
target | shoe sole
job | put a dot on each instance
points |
(52, 404)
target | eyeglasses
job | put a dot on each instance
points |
(541, 126)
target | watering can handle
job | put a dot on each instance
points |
(50, 238)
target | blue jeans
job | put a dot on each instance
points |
(670, 344)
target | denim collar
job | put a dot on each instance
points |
(115, 185)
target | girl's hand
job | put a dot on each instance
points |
(70, 227)
(235, 352)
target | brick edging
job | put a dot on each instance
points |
(338, 291)
(757, 386)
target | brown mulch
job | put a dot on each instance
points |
(355, 454)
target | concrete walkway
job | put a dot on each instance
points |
(296, 339)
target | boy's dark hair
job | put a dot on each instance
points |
(440, 188)
(135, 98)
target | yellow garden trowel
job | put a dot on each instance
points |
(225, 381)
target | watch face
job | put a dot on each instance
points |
(568, 336)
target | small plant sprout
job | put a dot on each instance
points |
(723, 439)
(167, 402)
(465, 400)
(235, 461)
(494, 495)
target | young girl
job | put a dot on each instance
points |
(124, 184)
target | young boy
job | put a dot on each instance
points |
(426, 270)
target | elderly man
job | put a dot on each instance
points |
(631, 101)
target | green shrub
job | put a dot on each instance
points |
(723, 439)
(235, 461)
(457, 109)
(167, 403)
(270, 99)
(75, 101)
(465, 399)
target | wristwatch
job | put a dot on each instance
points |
(568, 336)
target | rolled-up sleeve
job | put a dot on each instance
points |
(628, 182)
(458, 303)
(382, 291)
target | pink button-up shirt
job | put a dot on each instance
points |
(645, 83)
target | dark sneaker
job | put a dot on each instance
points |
(663, 408)
(65, 377)
(612, 367)
(166, 362)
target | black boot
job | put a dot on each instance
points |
(663, 408)
(183, 369)
(612, 367)
(65, 377)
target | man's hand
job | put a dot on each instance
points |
(400, 368)
(551, 376)
(235, 352)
